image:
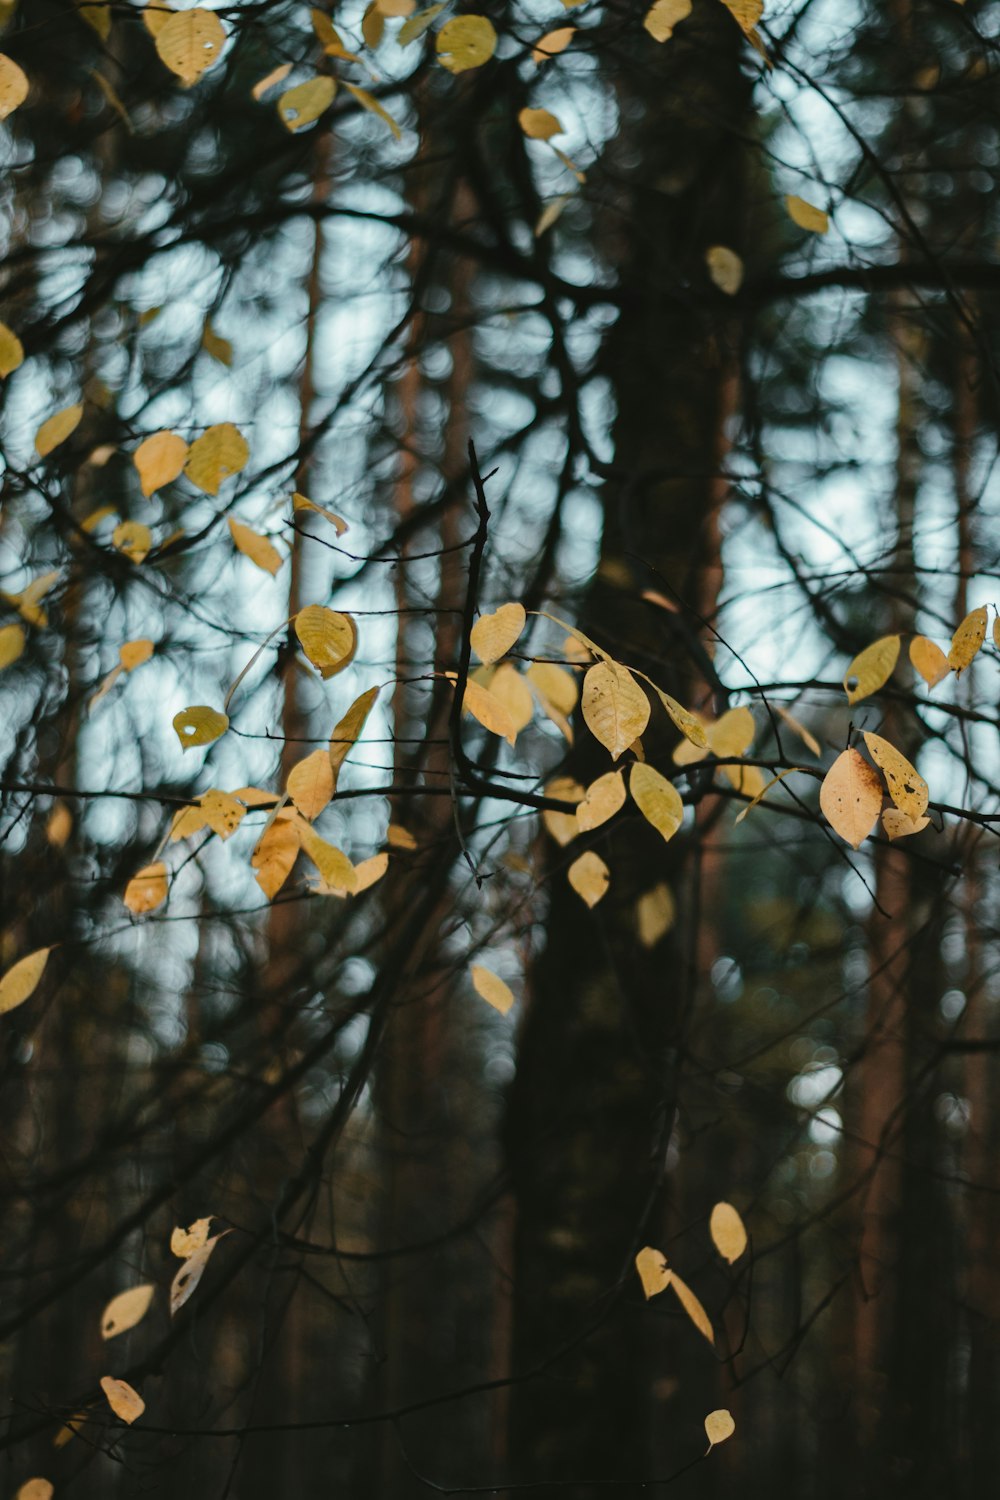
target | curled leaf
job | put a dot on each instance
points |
(190, 1273)
(184, 1242)
(907, 787)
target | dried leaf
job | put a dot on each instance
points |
(11, 351)
(493, 635)
(563, 827)
(302, 502)
(539, 124)
(509, 688)
(552, 43)
(689, 724)
(732, 733)
(59, 825)
(310, 784)
(369, 102)
(590, 877)
(13, 86)
(147, 890)
(259, 550)
(465, 42)
(662, 17)
(806, 215)
(398, 837)
(851, 797)
(56, 429)
(123, 1400)
(551, 213)
(332, 864)
(746, 13)
(907, 787)
(719, 1425)
(871, 668)
(967, 639)
(22, 979)
(615, 708)
(302, 105)
(725, 268)
(652, 1268)
(486, 709)
(348, 731)
(601, 800)
(554, 685)
(220, 452)
(328, 638)
(11, 644)
(222, 812)
(657, 799)
(126, 1310)
(184, 1242)
(200, 725)
(275, 854)
(728, 1234)
(899, 825)
(134, 653)
(656, 912)
(190, 1273)
(189, 43)
(370, 871)
(808, 739)
(133, 539)
(493, 989)
(929, 660)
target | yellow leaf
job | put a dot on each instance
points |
(689, 724)
(554, 685)
(372, 24)
(329, 37)
(967, 639)
(21, 979)
(899, 825)
(134, 653)
(256, 547)
(160, 459)
(615, 708)
(509, 688)
(662, 17)
(11, 644)
(489, 711)
(190, 1273)
(398, 837)
(147, 890)
(551, 213)
(133, 539)
(492, 988)
(929, 660)
(871, 668)
(189, 43)
(11, 351)
(126, 1310)
(656, 912)
(69, 1429)
(657, 799)
(184, 1242)
(563, 827)
(601, 800)
(806, 216)
(334, 866)
(302, 105)
(371, 103)
(97, 16)
(746, 13)
(56, 429)
(270, 81)
(417, 25)
(59, 825)
(589, 876)
(756, 791)
(329, 639)
(396, 9)
(221, 812)
(652, 1268)
(310, 784)
(347, 732)
(539, 124)
(699, 1317)
(274, 856)
(13, 86)
(807, 738)
(255, 796)
(35, 1489)
(123, 1400)
(732, 733)
(493, 635)
(369, 871)
(719, 1425)
(220, 452)
(728, 1234)
(851, 797)
(725, 268)
(214, 344)
(302, 502)
(465, 42)
(907, 787)
(27, 602)
(199, 726)
(552, 43)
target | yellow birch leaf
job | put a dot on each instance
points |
(746, 13)
(274, 856)
(369, 102)
(899, 825)
(303, 104)
(725, 268)
(732, 733)
(662, 17)
(90, 523)
(417, 25)
(369, 871)
(35, 1489)
(126, 1310)
(11, 351)
(806, 215)
(689, 724)
(719, 1426)
(11, 644)
(256, 547)
(510, 689)
(221, 811)
(563, 827)
(160, 459)
(22, 979)
(651, 1265)
(328, 638)
(13, 86)
(657, 799)
(123, 1400)
(302, 502)
(728, 1233)
(56, 429)
(310, 784)
(590, 877)
(147, 890)
(907, 787)
(270, 81)
(255, 796)
(601, 800)
(465, 42)
(699, 1317)
(190, 1273)
(184, 1242)
(396, 9)
(554, 685)
(615, 708)
(487, 710)
(398, 837)
(656, 912)
(851, 797)
(334, 866)
(134, 653)
(808, 739)
(552, 43)
(493, 635)
(59, 825)
(220, 452)
(492, 988)
(133, 540)
(871, 668)
(189, 41)
(929, 660)
(747, 779)
(200, 725)
(539, 124)
(967, 639)
(347, 732)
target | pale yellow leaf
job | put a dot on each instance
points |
(302, 502)
(746, 13)
(35, 1489)
(372, 24)
(370, 871)
(907, 787)
(147, 890)
(554, 685)
(601, 800)
(719, 1426)
(465, 42)
(590, 877)
(398, 837)
(728, 1233)
(539, 124)
(105, 687)
(967, 639)
(656, 912)
(256, 547)
(347, 732)
(92, 522)
(493, 635)
(662, 17)
(651, 1265)
(699, 1317)
(418, 24)
(13, 86)
(303, 104)
(725, 268)
(59, 825)
(899, 825)
(332, 864)
(492, 988)
(487, 710)
(273, 858)
(806, 215)
(310, 784)
(657, 799)
(270, 80)
(552, 43)
(11, 351)
(615, 708)
(134, 653)
(123, 1400)
(732, 733)
(184, 1242)
(690, 725)
(190, 1273)
(758, 792)
(929, 660)
(22, 979)
(328, 638)
(871, 668)
(56, 429)
(199, 725)
(509, 688)
(851, 797)
(220, 452)
(369, 102)
(126, 1310)
(11, 644)
(133, 540)
(189, 43)
(563, 827)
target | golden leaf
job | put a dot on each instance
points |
(126, 1310)
(396, 9)
(369, 102)
(133, 539)
(851, 797)
(746, 13)
(214, 344)
(554, 685)
(929, 660)
(270, 81)
(310, 784)
(871, 668)
(59, 825)
(256, 547)
(221, 812)
(465, 42)
(328, 638)
(967, 639)
(147, 890)
(134, 653)
(551, 213)
(552, 43)
(21, 979)
(13, 86)
(728, 1234)
(699, 1317)
(372, 24)
(35, 1489)
(220, 452)
(725, 268)
(200, 725)
(563, 827)
(334, 866)
(190, 1273)
(662, 17)
(539, 124)
(509, 688)
(11, 351)
(189, 43)
(27, 602)
(369, 871)
(657, 799)
(656, 912)
(273, 858)
(302, 502)
(689, 724)
(652, 1268)
(601, 800)
(732, 733)
(56, 429)
(11, 644)
(417, 25)
(899, 825)
(719, 1425)
(184, 1242)
(806, 215)
(615, 708)
(123, 1400)
(348, 731)
(907, 787)
(590, 877)
(493, 635)
(487, 710)
(302, 105)
(493, 989)
(399, 837)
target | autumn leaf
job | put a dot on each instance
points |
(589, 876)
(655, 913)
(273, 858)
(719, 1426)
(554, 685)
(22, 979)
(657, 799)
(725, 268)
(652, 1268)
(728, 1234)
(398, 837)
(369, 872)
(302, 502)
(56, 429)
(35, 1489)
(11, 645)
(899, 825)
(348, 730)
(13, 86)
(539, 124)
(200, 725)
(302, 105)
(369, 102)
(220, 452)
(871, 668)
(806, 215)
(615, 708)
(746, 13)
(663, 16)
(134, 654)
(563, 827)
(332, 864)
(417, 25)
(184, 1242)
(851, 797)
(123, 1400)
(256, 547)
(310, 784)
(133, 539)
(929, 660)
(493, 989)
(493, 635)
(189, 42)
(699, 1317)
(126, 1310)
(147, 890)
(486, 709)
(601, 800)
(271, 80)
(11, 348)
(552, 43)
(967, 639)
(465, 42)
(907, 787)
(328, 638)
(186, 1280)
